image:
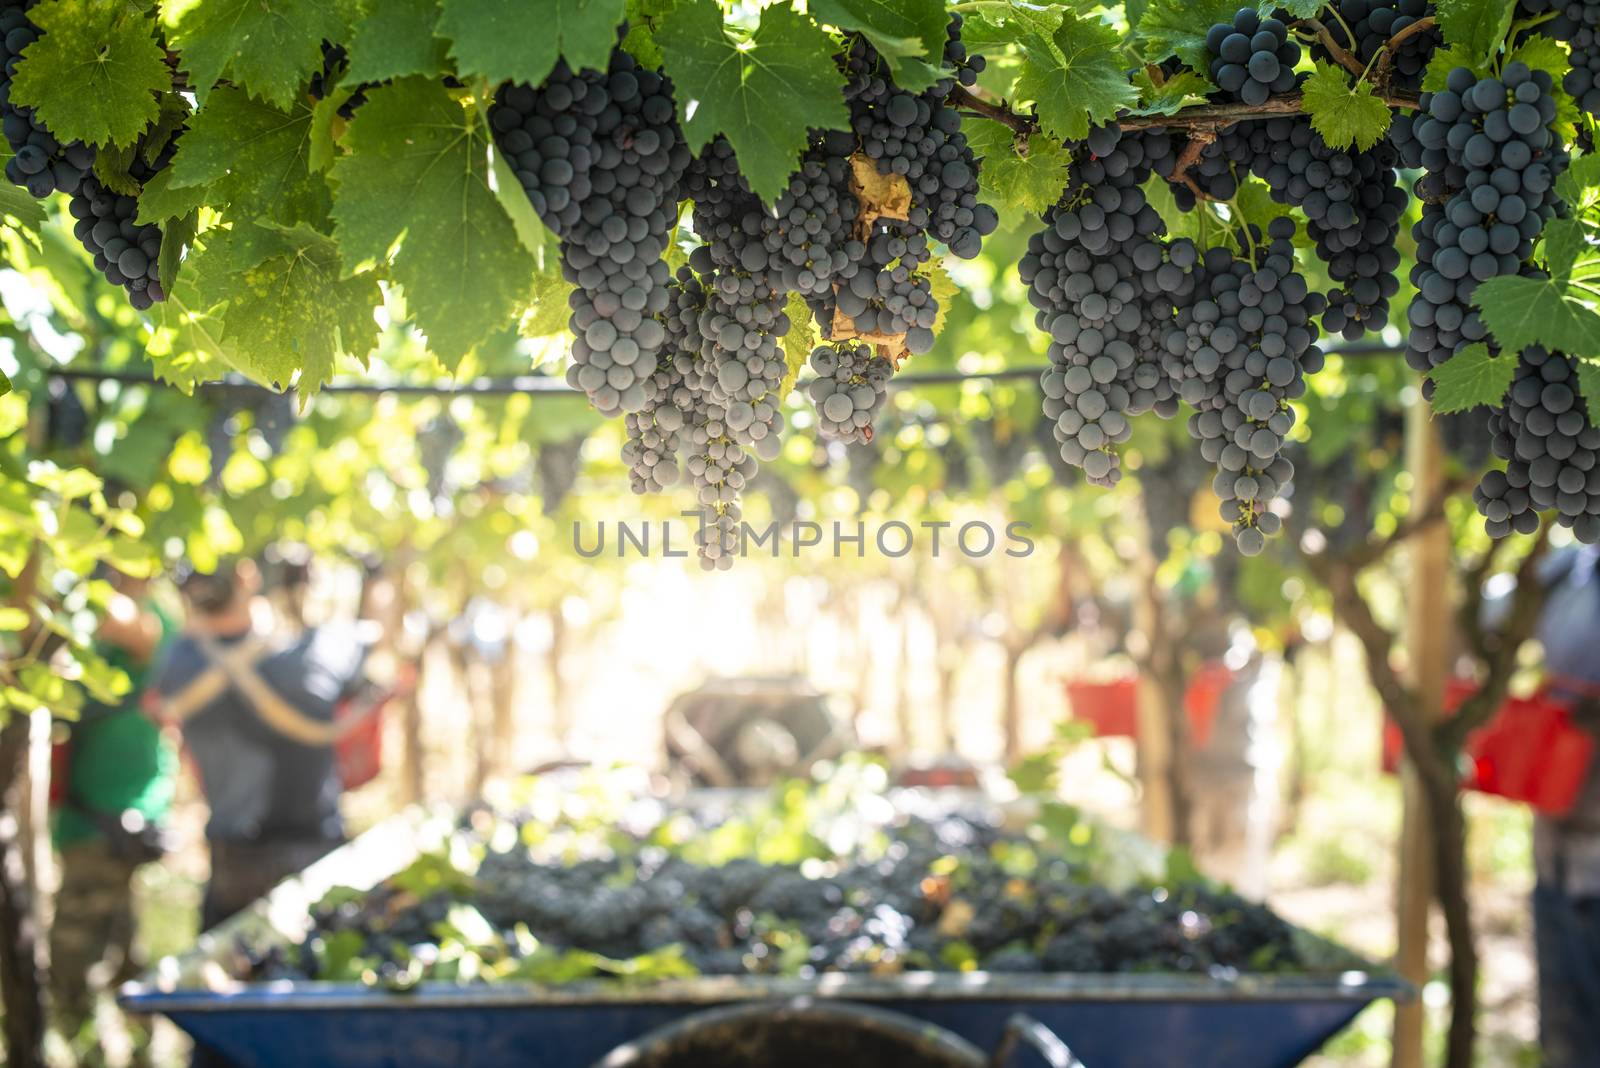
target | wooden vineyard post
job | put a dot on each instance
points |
(1428, 626)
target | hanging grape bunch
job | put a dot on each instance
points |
(600, 156)
(1576, 22)
(40, 164)
(285, 211)
(1374, 23)
(1491, 161)
(1253, 57)
(849, 389)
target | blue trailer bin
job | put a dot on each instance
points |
(1107, 1020)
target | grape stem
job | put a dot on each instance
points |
(1198, 116)
(1341, 55)
(965, 99)
(1199, 138)
(1380, 72)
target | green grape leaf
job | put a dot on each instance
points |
(94, 72)
(417, 174)
(326, 127)
(1470, 378)
(159, 201)
(16, 204)
(176, 237)
(1301, 9)
(1588, 368)
(1075, 77)
(5, 384)
(1257, 208)
(513, 40)
(1579, 184)
(765, 93)
(267, 47)
(547, 308)
(172, 121)
(1562, 243)
(1543, 53)
(797, 343)
(533, 234)
(1477, 27)
(185, 341)
(396, 40)
(1552, 312)
(1013, 183)
(903, 31)
(1446, 60)
(113, 165)
(643, 17)
(1171, 93)
(1343, 113)
(249, 152)
(944, 290)
(1178, 28)
(288, 310)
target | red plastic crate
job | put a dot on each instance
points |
(1530, 751)
(1112, 708)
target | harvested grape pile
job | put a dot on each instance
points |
(949, 894)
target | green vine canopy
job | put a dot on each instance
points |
(717, 203)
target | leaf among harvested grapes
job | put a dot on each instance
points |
(1470, 378)
(94, 72)
(1345, 113)
(512, 40)
(764, 93)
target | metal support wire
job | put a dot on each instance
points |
(550, 385)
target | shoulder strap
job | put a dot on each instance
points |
(237, 664)
(200, 691)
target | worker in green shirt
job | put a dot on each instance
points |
(119, 777)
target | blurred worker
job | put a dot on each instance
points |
(115, 784)
(1566, 899)
(258, 718)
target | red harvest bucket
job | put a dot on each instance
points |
(1112, 708)
(1530, 751)
(359, 752)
